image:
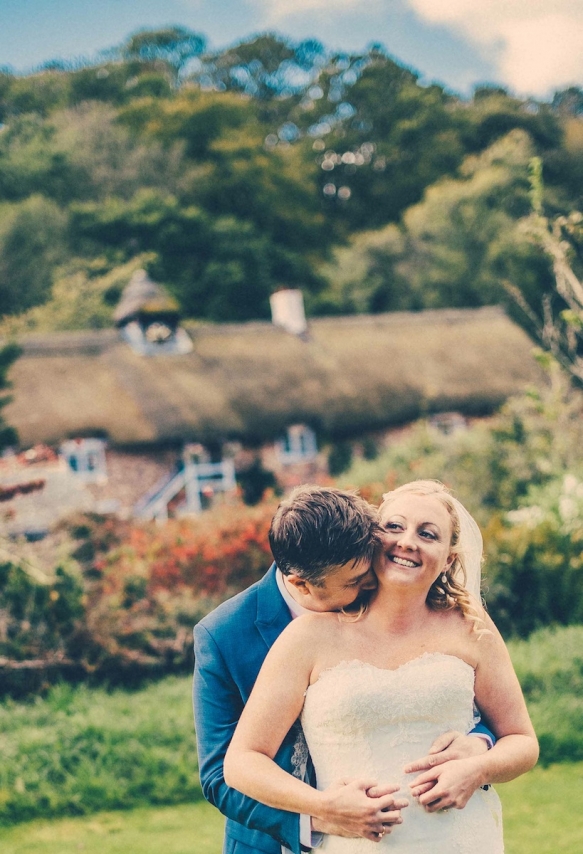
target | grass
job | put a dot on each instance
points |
(549, 666)
(538, 819)
(540, 811)
(80, 751)
(186, 829)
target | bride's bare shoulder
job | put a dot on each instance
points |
(316, 621)
(313, 626)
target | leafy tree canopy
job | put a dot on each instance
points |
(173, 46)
(241, 170)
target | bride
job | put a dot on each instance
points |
(376, 689)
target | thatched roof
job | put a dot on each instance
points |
(251, 381)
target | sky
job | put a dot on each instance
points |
(533, 47)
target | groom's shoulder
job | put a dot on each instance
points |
(239, 607)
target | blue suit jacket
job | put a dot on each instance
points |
(230, 645)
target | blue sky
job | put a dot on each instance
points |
(532, 46)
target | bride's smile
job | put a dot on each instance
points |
(415, 545)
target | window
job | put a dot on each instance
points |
(86, 458)
(297, 445)
(156, 339)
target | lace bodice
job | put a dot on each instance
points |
(361, 720)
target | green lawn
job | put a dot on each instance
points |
(540, 815)
(192, 829)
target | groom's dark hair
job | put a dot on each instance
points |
(319, 527)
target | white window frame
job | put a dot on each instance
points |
(299, 445)
(86, 458)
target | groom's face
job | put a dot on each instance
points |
(341, 587)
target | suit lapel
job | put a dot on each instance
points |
(272, 613)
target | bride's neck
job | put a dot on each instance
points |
(399, 613)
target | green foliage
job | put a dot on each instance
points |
(535, 575)
(549, 666)
(339, 458)
(117, 84)
(31, 245)
(495, 113)
(173, 46)
(370, 448)
(80, 750)
(221, 268)
(252, 162)
(84, 295)
(254, 480)
(416, 137)
(457, 247)
(38, 93)
(520, 474)
(38, 616)
(8, 355)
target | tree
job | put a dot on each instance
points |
(31, 245)
(8, 355)
(453, 248)
(174, 46)
(561, 239)
(267, 67)
(390, 137)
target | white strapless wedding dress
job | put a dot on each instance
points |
(363, 721)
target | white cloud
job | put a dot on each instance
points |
(537, 45)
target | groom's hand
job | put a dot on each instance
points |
(450, 745)
(359, 808)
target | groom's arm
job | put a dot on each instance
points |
(217, 708)
(482, 731)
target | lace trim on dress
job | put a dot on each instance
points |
(358, 662)
(300, 755)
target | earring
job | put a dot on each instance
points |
(444, 578)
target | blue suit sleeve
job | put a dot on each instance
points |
(482, 729)
(217, 708)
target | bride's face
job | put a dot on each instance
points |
(415, 547)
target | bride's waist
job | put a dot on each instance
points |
(383, 753)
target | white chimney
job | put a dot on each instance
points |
(287, 310)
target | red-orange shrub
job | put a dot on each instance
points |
(146, 585)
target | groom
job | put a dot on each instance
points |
(323, 540)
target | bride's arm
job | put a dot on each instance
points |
(499, 697)
(274, 705)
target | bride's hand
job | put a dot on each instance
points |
(449, 746)
(359, 808)
(449, 786)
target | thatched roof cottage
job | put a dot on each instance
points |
(149, 395)
(249, 382)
